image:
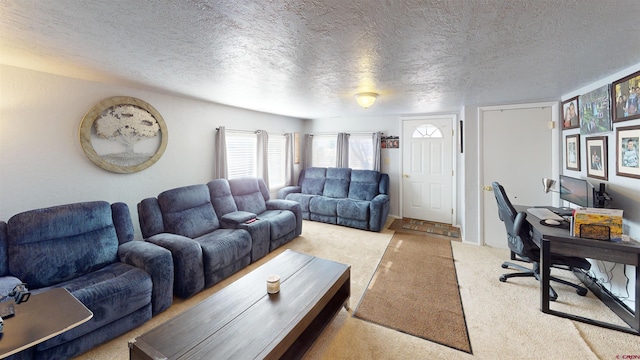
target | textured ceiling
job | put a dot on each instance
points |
(307, 58)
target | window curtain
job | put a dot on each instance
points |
(308, 146)
(289, 148)
(220, 166)
(342, 150)
(376, 139)
(263, 156)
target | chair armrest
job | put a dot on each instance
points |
(232, 220)
(379, 210)
(282, 193)
(187, 262)
(158, 263)
(293, 206)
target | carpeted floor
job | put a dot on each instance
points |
(415, 290)
(503, 319)
(424, 227)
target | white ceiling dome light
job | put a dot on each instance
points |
(366, 99)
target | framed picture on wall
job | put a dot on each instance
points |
(627, 151)
(626, 98)
(123, 134)
(570, 116)
(595, 111)
(572, 152)
(597, 157)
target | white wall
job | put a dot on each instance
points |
(42, 163)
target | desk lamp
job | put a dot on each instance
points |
(547, 184)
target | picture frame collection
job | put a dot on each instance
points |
(597, 113)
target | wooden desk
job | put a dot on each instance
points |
(242, 321)
(557, 241)
(42, 317)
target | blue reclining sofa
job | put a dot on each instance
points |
(354, 198)
(215, 229)
(88, 249)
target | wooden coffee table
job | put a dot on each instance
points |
(42, 317)
(242, 321)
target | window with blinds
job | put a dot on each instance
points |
(241, 154)
(277, 158)
(323, 153)
(361, 151)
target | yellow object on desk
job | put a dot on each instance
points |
(591, 222)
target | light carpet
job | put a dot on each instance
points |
(504, 319)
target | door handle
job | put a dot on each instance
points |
(405, 175)
(487, 188)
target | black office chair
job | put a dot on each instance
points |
(524, 249)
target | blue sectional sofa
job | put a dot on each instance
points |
(343, 196)
(88, 249)
(215, 229)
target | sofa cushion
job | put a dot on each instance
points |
(313, 181)
(323, 206)
(247, 195)
(221, 197)
(282, 222)
(364, 184)
(150, 217)
(353, 209)
(188, 211)
(56, 244)
(223, 247)
(110, 293)
(337, 183)
(302, 199)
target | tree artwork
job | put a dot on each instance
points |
(126, 124)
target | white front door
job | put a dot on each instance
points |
(517, 152)
(427, 168)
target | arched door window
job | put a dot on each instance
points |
(427, 131)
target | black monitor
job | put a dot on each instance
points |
(576, 191)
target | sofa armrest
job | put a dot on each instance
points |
(232, 220)
(378, 210)
(187, 262)
(158, 263)
(293, 206)
(282, 193)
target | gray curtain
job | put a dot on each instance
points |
(376, 138)
(307, 156)
(263, 156)
(220, 166)
(288, 159)
(342, 150)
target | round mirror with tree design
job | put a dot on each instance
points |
(123, 134)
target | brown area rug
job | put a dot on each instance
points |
(415, 290)
(425, 227)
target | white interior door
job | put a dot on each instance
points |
(427, 176)
(517, 153)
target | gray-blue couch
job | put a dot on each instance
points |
(343, 196)
(215, 229)
(88, 249)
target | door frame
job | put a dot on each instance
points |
(556, 132)
(454, 159)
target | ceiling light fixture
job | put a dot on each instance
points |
(366, 99)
